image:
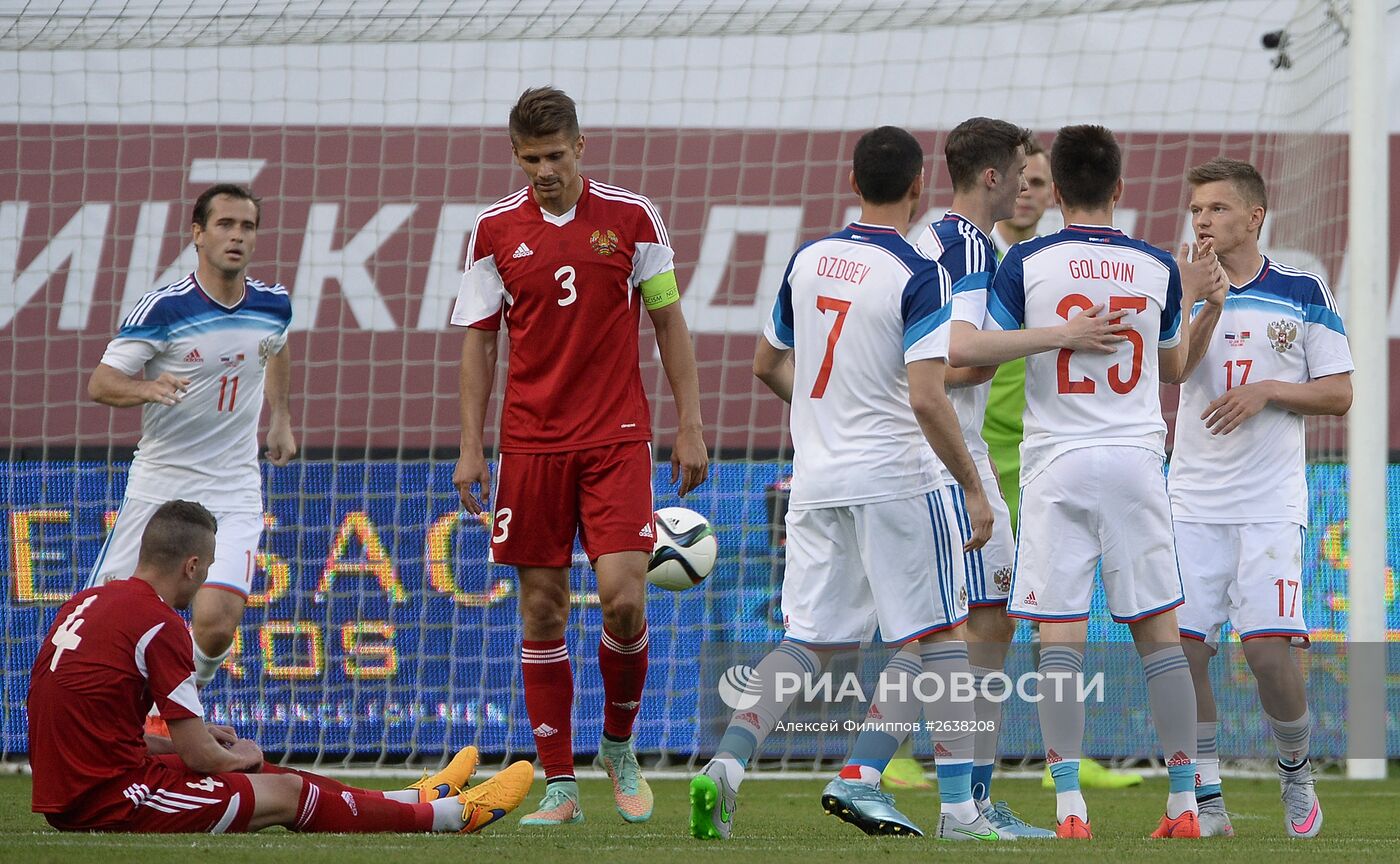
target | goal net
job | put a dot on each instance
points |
(375, 134)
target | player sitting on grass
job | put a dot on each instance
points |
(116, 649)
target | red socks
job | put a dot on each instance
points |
(326, 783)
(623, 664)
(549, 701)
(322, 808)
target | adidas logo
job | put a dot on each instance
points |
(626, 706)
(1053, 758)
(941, 752)
(647, 532)
(522, 251)
(1178, 758)
(1030, 599)
(350, 802)
(544, 730)
(874, 713)
(193, 357)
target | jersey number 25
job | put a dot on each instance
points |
(1072, 303)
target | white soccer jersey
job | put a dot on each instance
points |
(1282, 325)
(1074, 399)
(204, 448)
(971, 260)
(856, 307)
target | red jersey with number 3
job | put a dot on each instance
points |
(568, 289)
(112, 651)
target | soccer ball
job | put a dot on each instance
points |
(685, 549)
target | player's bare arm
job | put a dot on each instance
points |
(281, 442)
(1201, 271)
(939, 422)
(971, 376)
(475, 377)
(1329, 395)
(159, 745)
(202, 752)
(1093, 330)
(774, 367)
(113, 387)
(690, 460)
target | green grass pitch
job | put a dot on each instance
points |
(777, 822)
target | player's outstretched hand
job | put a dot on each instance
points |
(1203, 277)
(979, 513)
(1235, 406)
(281, 443)
(472, 471)
(165, 390)
(250, 753)
(690, 460)
(1094, 331)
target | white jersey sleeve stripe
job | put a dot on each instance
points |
(613, 193)
(616, 193)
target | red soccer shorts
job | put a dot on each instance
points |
(542, 499)
(163, 797)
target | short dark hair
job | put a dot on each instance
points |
(232, 190)
(981, 143)
(1035, 148)
(1087, 164)
(1242, 175)
(887, 162)
(542, 112)
(176, 531)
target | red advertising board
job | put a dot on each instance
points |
(368, 226)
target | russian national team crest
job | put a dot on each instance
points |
(1002, 579)
(603, 242)
(1282, 334)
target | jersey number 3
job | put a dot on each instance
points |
(840, 307)
(1073, 303)
(566, 275)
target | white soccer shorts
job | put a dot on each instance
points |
(1248, 575)
(1090, 504)
(894, 564)
(989, 568)
(235, 547)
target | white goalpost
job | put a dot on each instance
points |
(1368, 242)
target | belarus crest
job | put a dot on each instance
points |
(1282, 334)
(603, 242)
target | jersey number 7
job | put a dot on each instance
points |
(840, 307)
(1072, 303)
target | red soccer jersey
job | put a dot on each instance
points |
(112, 650)
(568, 286)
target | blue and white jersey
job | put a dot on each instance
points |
(856, 307)
(971, 260)
(204, 448)
(1283, 325)
(1075, 399)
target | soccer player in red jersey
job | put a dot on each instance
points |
(568, 263)
(116, 649)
